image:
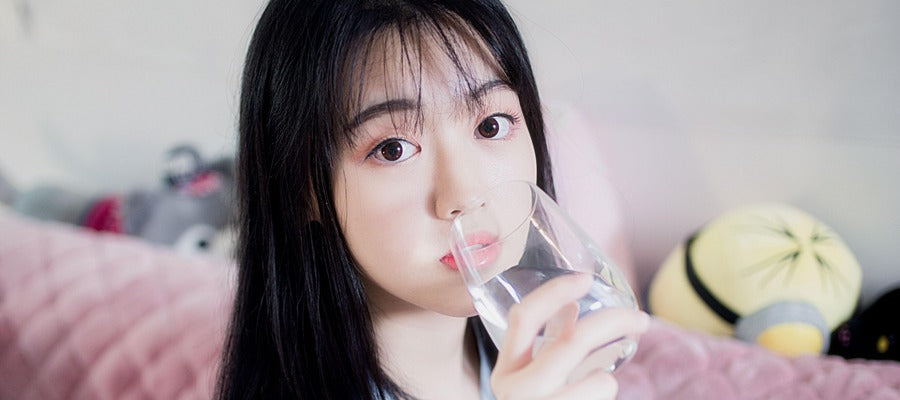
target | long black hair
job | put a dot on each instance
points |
(301, 326)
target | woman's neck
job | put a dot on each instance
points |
(427, 353)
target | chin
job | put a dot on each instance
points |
(463, 312)
(456, 304)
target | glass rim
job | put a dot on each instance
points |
(535, 191)
(457, 224)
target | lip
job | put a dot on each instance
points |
(449, 261)
(485, 255)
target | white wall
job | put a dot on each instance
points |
(708, 105)
(702, 106)
(93, 92)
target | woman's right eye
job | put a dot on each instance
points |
(394, 151)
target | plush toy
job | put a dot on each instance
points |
(768, 274)
(872, 334)
(7, 192)
(189, 211)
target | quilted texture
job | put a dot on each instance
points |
(85, 315)
(672, 363)
(97, 316)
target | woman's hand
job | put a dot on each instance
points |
(520, 375)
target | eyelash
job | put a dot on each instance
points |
(382, 143)
(513, 117)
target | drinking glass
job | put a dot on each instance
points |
(517, 238)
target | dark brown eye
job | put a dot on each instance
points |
(489, 127)
(494, 127)
(394, 150)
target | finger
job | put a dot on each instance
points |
(560, 357)
(527, 318)
(598, 385)
(561, 323)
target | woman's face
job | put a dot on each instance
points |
(422, 153)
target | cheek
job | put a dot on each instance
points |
(530, 162)
(520, 162)
(378, 219)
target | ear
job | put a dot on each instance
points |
(182, 164)
(315, 215)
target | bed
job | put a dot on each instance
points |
(88, 315)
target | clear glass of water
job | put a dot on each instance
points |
(516, 239)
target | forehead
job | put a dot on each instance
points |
(422, 64)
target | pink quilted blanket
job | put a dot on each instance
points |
(98, 316)
(672, 363)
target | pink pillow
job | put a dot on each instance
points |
(584, 186)
(85, 315)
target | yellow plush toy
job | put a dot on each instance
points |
(769, 274)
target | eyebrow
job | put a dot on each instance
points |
(385, 107)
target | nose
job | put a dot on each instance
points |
(459, 181)
(453, 196)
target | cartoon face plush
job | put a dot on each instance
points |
(769, 274)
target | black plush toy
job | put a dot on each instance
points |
(872, 334)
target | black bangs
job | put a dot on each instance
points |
(402, 40)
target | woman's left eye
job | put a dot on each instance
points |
(495, 127)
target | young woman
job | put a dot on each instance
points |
(365, 127)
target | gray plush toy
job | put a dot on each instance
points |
(189, 212)
(7, 192)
